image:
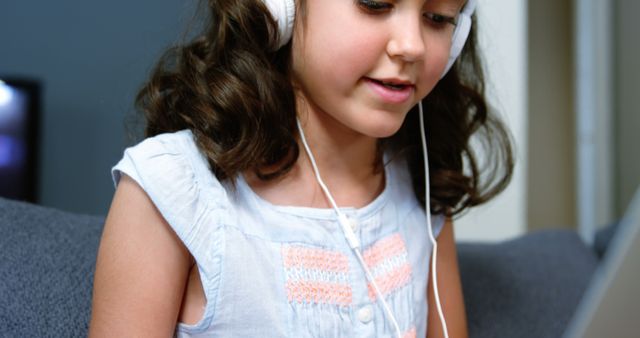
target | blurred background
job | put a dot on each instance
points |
(562, 73)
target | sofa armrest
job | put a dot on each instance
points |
(526, 287)
(46, 272)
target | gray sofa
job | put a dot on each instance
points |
(526, 287)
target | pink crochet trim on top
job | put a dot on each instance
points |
(411, 333)
(385, 248)
(311, 258)
(318, 293)
(388, 262)
(316, 276)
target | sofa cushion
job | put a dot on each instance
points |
(526, 287)
(46, 274)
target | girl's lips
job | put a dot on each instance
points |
(389, 95)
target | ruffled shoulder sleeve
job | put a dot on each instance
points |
(176, 176)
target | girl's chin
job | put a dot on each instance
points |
(382, 130)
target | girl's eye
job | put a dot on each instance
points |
(439, 19)
(373, 5)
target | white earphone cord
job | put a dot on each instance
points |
(354, 243)
(427, 208)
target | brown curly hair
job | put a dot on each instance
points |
(235, 94)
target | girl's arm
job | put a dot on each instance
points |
(141, 270)
(449, 289)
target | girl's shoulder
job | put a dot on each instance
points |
(177, 178)
(169, 164)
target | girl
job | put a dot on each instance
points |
(222, 226)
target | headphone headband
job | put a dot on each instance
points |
(469, 7)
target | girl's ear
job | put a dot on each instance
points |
(283, 12)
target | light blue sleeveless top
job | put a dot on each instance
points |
(282, 271)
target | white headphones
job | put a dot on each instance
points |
(283, 11)
(461, 32)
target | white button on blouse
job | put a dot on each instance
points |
(365, 314)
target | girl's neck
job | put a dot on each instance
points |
(347, 161)
(338, 150)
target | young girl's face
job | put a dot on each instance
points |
(364, 63)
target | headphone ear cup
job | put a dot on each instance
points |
(460, 35)
(283, 11)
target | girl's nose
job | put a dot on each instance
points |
(407, 41)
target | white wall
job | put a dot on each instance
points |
(503, 40)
